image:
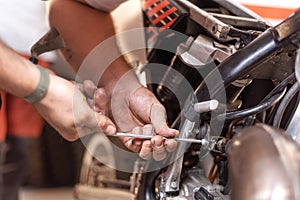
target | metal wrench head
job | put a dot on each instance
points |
(49, 42)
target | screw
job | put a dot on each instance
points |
(174, 184)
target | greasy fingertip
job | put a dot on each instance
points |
(168, 132)
(132, 146)
(137, 142)
(159, 152)
(100, 99)
(106, 125)
(170, 145)
(157, 141)
(100, 94)
(158, 117)
(146, 150)
(89, 88)
(110, 130)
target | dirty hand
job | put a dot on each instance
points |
(141, 113)
(135, 109)
(84, 100)
(66, 109)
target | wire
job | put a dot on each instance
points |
(290, 79)
(264, 105)
(272, 98)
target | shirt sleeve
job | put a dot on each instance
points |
(105, 5)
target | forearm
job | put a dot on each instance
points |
(18, 76)
(83, 28)
(57, 107)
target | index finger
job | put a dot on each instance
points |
(168, 132)
(89, 88)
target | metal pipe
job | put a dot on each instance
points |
(264, 105)
(239, 64)
(243, 61)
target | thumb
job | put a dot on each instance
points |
(94, 122)
(100, 100)
(158, 117)
(105, 124)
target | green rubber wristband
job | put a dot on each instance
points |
(41, 89)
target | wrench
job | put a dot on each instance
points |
(148, 137)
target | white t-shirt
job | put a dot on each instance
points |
(23, 23)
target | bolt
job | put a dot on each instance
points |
(174, 184)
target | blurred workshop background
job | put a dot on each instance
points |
(55, 163)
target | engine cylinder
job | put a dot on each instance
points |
(264, 165)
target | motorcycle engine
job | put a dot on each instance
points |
(196, 186)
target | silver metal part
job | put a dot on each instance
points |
(215, 27)
(297, 66)
(195, 180)
(149, 137)
(206, 106)
(241, 21)
(172, 175)
(240, 85)
(211, 51)
(294, 126)
(49, 42)
(269, 168)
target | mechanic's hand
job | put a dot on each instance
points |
(66, 109)
(96, 97)
(135, 109)
(93, 94)
(145, 115)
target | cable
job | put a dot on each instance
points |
(264, 105)
(272, 98)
